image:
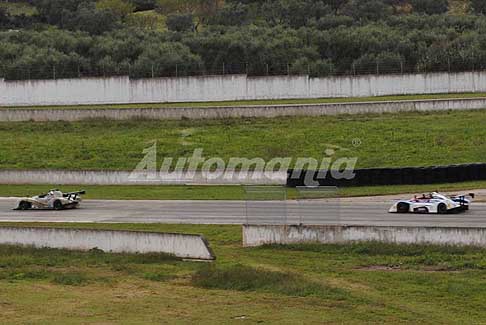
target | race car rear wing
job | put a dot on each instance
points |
(73, 194)
(469, 195)
(462, 198)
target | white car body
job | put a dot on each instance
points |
(433, 203)
(52, 200)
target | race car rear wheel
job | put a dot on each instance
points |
(442, 208)
(24, 205)
(57, 205)
(403, 207)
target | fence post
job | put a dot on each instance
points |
(54, 72)
(268, 70)
(224, 69)
(177, 70)
(353, 69)
(401, 66)
(288, 69)
(377, 67)
(152, 71)
(246, 68)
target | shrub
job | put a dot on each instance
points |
(430, 7)
(478, 6)
(73, 279)
(180, 22)
(245, 278)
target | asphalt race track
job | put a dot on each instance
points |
(357, 211)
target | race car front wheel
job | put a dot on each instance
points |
(403, 207)
(24, 205)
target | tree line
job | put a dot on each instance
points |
(70, 38)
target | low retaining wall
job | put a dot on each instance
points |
(71, 177)
(269, 111)
(180, 245)
(256, 235)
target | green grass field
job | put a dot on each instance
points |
(222, 192)
(386, 140)
(315, 284)
(264, 102)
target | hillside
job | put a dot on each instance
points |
(149, 38)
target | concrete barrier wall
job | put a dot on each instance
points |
(65, 91)
(256, 235)
(71, 177)
(188, 89)
(269, 111)
(229, 87)
(382, 85)
(280, 87)
(180, 245)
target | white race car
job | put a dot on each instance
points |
(433, 203)
(52, 200)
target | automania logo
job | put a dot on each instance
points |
(198, 168)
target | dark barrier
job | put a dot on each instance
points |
(390, 176)
(482, 170)
(407, 176)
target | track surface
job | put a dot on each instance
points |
(325, 212)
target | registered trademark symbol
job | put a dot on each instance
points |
(356, 142)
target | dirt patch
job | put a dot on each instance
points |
(380, 268)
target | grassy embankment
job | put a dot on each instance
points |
(388, 140)
(316, 283)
